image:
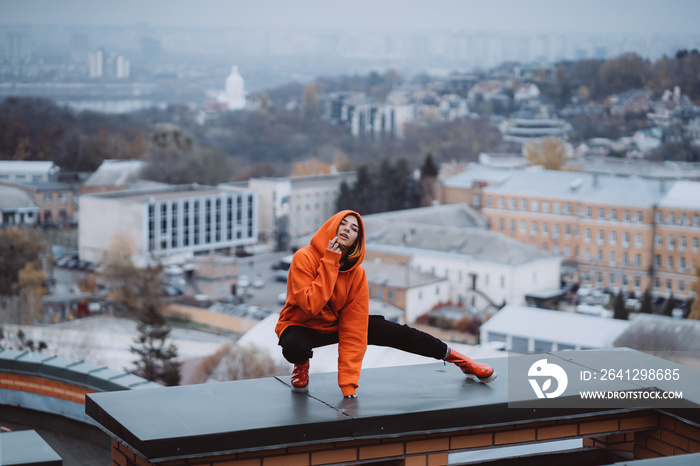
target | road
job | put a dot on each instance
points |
(261, 264)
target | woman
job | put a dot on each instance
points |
(328, 302)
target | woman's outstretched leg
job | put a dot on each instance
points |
(383, 332)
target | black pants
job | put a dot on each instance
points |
(298, 342)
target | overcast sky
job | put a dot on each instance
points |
(658, 16)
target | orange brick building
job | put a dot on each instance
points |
(619, 232)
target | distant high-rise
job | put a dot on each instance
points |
(16, 49)
(122, 68)
(234, 95)
(97, 63)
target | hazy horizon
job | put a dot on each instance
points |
(465, 16)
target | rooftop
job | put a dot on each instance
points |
(265, 415)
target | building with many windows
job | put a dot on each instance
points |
(165, 222)
(623, 232)
(12, 171)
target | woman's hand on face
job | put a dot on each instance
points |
(334, 246)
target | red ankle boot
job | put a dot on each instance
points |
(300, 377)
(483, 372)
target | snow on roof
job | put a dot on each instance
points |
(661, 333)
(325, 359)
(455, 215)
(13, 198)
(476, 173)
(116, 173)
(562, 327)
(683, 195)
(397, 276)
(24, 166)
(413, 239)
(594, 188)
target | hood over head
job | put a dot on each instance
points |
(329, 230)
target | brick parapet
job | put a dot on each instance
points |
(645, 434)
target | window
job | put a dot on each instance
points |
(657, 261)
(638, 260)
(613, 214)
(567, 251)
(392, 296)
(568, 208)
(669, 285)
(601, 214)
(501, 224)
(567, 231)
(523, 204)
(626, 240)
(626, 216)
(534, 206)
(682, 244)
(501, 203)
(637, 283)
(545, 229)
(587, 235)
(681, 287)
(600, 256)
(684, 219)
(696, 220)
(475, 200)
(523, 226)
(681, 266)
(670, 243)
(557, 207)
(555, 232)
(512, 226)
(601, 237)
(658, 241)
(638, 240)
(489, 201)
(533, 228)
(625, 258)
(613, 259)
(545, 247)
(613, 238)
(545, 207)
(512, 204)
(671, 218)
(589, 212)
(48, 197)
(695, 245)
(640, 217)
(62, 196)
(669, 262)
(587, 255)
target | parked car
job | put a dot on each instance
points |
(258, 282)
(243, 281)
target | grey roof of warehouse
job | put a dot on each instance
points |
(397, 276)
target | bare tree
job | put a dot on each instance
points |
(548, 152)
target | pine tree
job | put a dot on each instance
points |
(619, 309)
(646, 307)
(156, 359)
(669, 306)
(428, 169)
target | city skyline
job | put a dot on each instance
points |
(545, 16)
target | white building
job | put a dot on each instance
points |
(484, 268)
(234, 94)
(27, 171)
(523, 329)
(414, 292)
(174, 221)
(380, 120)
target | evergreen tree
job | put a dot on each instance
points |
(156, 359)
(619, 309)
(669, 306)
(646, 307)
(428, 169)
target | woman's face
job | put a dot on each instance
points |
(347, 231)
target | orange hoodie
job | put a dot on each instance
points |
(325, 298)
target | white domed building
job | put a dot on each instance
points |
(234, 95)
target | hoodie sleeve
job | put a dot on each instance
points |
(312, 285)
(352, 336)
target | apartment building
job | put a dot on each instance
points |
(174, 221)
(12, 171)
(620, 232)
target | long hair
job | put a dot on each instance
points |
(356, 250)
